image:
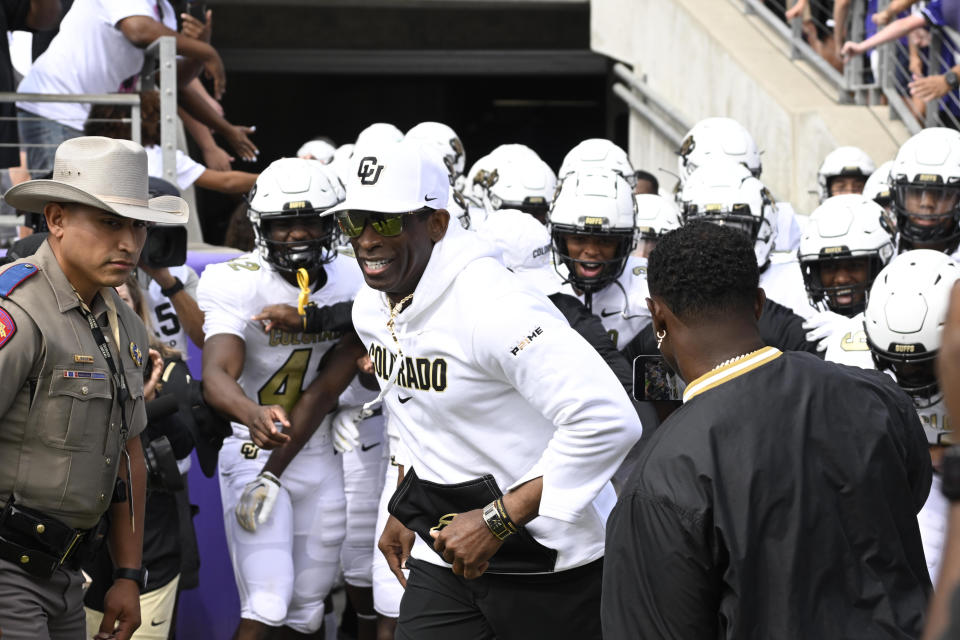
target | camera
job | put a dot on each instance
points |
(166, 246)
(162, 470)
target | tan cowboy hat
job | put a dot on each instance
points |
(105, 173)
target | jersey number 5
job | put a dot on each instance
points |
(167, 320)
(285, 386)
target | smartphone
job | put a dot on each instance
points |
(198, 10)
(654, 381)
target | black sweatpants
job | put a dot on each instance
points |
(440, 605)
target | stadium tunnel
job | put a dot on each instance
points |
(495, 71)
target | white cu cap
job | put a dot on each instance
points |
(396, 178)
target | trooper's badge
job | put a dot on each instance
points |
(369, 170)
(136, 354)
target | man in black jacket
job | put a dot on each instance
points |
(780, 500)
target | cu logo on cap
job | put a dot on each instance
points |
(369, 171)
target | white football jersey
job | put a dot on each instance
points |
(788, 228)
(163, 317)
(278, 366)
(782, 281)
(622, 305)
(933, 526)
(849, 345)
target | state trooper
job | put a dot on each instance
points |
(71, 403)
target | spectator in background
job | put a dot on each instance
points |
(99, 46)
(816, 29)
(936, 14)
(189, 172)
(646, 183)
(18, 15)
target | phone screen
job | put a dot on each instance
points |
(654, 381)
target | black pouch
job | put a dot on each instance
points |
(422, 505)
(36, 542)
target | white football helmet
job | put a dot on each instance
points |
(596, 203)
(318, 149)
(446, 141)
(843, 161)
(598, 154)
(341, 161)
(656, 216)
(846, 231)
(294, 189)
(376, 136)
(925, 179)
(725, 192)
(878, 185)
(904, 320)
(714, 138)
(514, 177)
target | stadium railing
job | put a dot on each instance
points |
(159, 72)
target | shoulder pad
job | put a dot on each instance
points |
(14, 276)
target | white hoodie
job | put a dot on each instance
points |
(495, 381)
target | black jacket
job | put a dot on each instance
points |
(591, 328)
(780, 504)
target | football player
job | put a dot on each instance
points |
(726, 193)
(512, 176)
(903, 320)
(284, 532)
(598, 154)
(656, 216)
(925, 179)
(726, 139)
(593, 232)
(844, 247)
(844, 170)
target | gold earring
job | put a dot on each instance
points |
(660, 336)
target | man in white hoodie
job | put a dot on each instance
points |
(511, 425)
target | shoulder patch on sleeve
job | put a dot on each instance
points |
(12, 277)
(7, 327)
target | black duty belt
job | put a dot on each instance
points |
(37, 543)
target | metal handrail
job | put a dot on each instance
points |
(798, 48)
(160, 55)
(653, 108)
(652, 97)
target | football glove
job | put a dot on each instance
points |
(346, 435)
(257, 501)
(820, 327)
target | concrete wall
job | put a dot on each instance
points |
(708, 59)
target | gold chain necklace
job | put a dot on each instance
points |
(736, 358)
(394, 312)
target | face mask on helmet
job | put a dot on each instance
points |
(927, 215)
(290, 241)
(840, 281)
(593, 228)
(593, 258)
(914, 372)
